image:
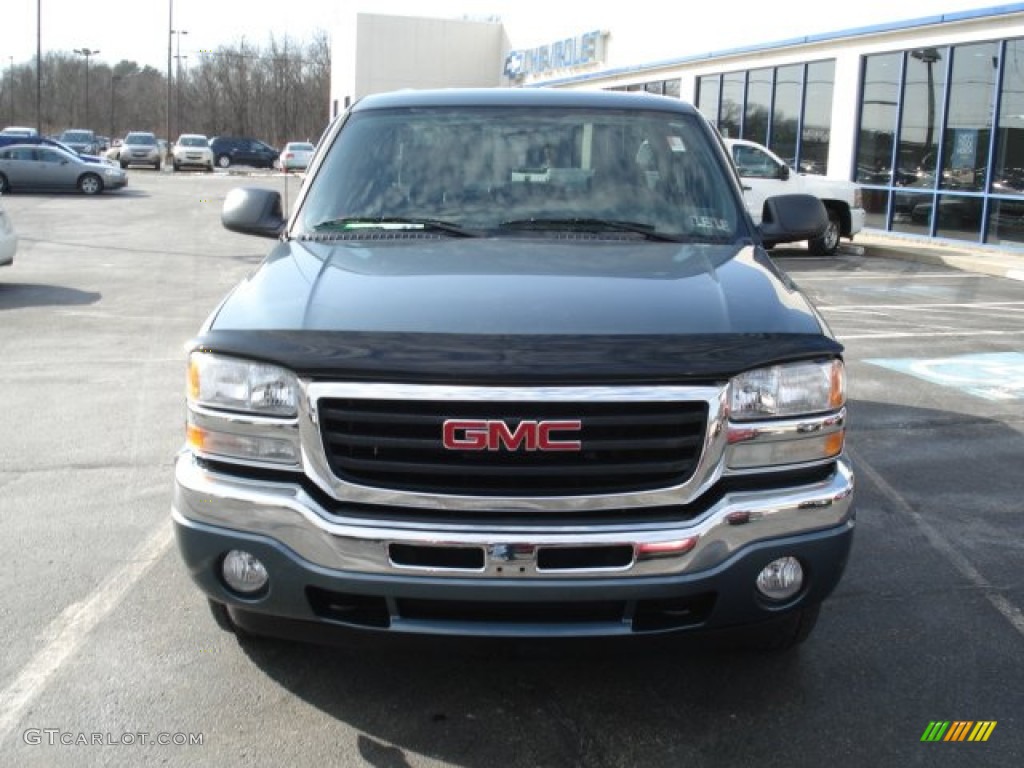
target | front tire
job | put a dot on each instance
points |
(784, 634)
(5, 185)
(827, 244)
(223, 161)
(90, 184)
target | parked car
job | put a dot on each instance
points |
(82, 141)
(296, 156)
(765, 174)
(140, 148)
(45, 167)
(240, 150)
(497, 377)
(18, 130)
(8, 240)
(192, 150)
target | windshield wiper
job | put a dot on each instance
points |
(354, 223)
(594, 224)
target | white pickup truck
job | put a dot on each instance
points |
(765, 174)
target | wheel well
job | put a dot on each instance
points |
(843, 211)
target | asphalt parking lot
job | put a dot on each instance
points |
(109, 648)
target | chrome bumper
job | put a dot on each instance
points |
(285, 513)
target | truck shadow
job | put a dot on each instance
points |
(640, 701)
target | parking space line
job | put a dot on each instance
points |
(68, 631)
(1007, 609)
(924, 334)
(831, 276)
(1010, 305)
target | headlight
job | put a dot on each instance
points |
(243, 411)
(786, 415)
(794, 389)
(238, 385)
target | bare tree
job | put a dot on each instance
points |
(277, 93)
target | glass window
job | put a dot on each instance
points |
(923, 92)
(1008, 173)
(1006, 222)
(876, 207)
(500, 170)
(817, 122)
(959, 217)
(759, 105)
(789, 83)
(673, 88)
(708, 92)
(731, 111)
(754, 162)
(878, 118)
(969, 122)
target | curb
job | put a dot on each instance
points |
(994, 262)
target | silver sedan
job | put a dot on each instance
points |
(44, 167)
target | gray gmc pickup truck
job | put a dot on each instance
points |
(518, 365)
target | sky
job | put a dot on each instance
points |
(137, 30)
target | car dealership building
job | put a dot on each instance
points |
(926, 114)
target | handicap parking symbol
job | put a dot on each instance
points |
(995, 376)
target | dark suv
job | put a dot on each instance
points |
(236, 150)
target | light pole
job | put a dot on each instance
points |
(180, 66)
(179, 33)
(12, 89)
(87, 52)
(929, 56)
(114, 80)
(170, 40)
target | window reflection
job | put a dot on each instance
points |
(878, 118)
(1008, 173)
(764, 105)
(943, 174)
(969, 123)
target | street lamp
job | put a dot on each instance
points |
(114, 80)
(929, 56)
(177, 56)
(87, 52)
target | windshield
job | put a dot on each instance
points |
(192, 141)
(498, 170)
(140, 138)
(76, 136)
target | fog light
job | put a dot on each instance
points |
(243, 572)
(781, 579)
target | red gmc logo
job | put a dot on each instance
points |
(485, 435)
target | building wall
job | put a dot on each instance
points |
(375, 53)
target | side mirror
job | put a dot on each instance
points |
(784, 172)
(253, 211)
(791, 218)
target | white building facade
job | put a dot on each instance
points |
(926, 114)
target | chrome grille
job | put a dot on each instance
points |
(625, 446)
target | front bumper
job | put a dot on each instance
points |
(562, 579)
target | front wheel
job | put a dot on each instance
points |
(224, 161)
(783, 634)
(5, 185)
(90, 184)
(827, 244)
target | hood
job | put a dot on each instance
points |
(517, 286)
(540, 300)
